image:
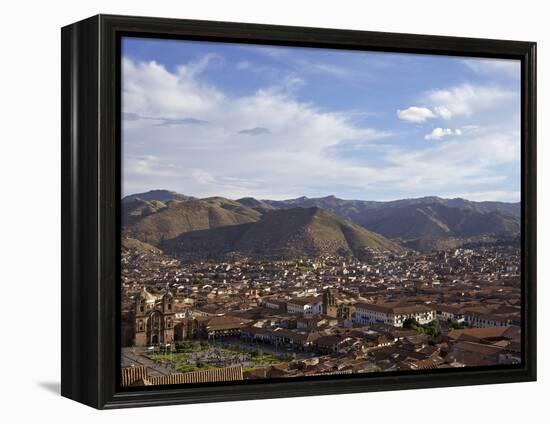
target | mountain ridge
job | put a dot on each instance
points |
(424, 223)
(191, 215)
(160, 195)
(284, 233)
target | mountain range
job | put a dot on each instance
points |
(284, 233)
(218, 226)
(425, 223)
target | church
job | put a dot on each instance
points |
(334, 307)
(154, 318)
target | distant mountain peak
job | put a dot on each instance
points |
(161, 191)
(258, 205)
(160, 195)
(430, 198)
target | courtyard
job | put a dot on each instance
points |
(194, 356)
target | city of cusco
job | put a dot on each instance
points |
(216, 289)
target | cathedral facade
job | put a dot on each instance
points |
(335, 308)
(154, 318)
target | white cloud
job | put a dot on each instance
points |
(415, 114)
(295, 150)
(196, 67)
(148, 165)
(443, 112)
(265, 71)
(484, 196)
(438, 133)
(290, 153)
(202, 176)
(493, 67)
(150, 90)
(460, 101)
(457, 166)
(330, 69)
(467, 99)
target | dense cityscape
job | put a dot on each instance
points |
(201, 321)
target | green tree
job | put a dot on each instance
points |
(433, 329)
(410, 324)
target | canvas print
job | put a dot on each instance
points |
(292, 212)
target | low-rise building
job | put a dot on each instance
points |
(392, 314)
(449, 312)
(487, 320)
(305, 305)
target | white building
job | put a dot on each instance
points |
(391, 314)
(486, 320)
(305, 305)
(449, 312)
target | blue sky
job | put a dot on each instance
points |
(235, 120)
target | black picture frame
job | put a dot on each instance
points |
(91, 193)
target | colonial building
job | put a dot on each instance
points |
(209, 327)
(392, 314)
(305, 305)
(450, 312)
(487, 320)
(330, 307)
(335, 308)
(276, 304)
(154, 318)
